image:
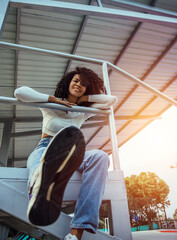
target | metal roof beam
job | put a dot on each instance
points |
(130, 39)
(151, 68)
(127, 44)
(38, 132)
(99, 3)
(26, 134)
(124, 49)
(125, 117)
(146, 105)
(147, 73)
(120, 55)
(95, 124)
(79, 35)
(135, 6)
(94, 118)
(21, 159)
(21, 119)
(151, 101)
(71, 8)
(4, 5)
(145, 85)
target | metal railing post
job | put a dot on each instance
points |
(112, 127)
(5, 143)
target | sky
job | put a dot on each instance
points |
(154, 149)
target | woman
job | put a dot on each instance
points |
(61, 151)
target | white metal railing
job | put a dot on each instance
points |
(112, 125)
(143, 84)
(49, 52)
(13, 46)
(14, 101)
(105, 65)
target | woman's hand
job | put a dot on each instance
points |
(56, 100)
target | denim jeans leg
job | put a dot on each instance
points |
(35, 157)
(94, 170)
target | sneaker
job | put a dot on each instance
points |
(70, 237)
(62, 157)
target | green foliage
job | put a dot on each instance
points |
(147, 194)
(175, 214)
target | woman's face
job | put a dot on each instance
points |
(76, 89)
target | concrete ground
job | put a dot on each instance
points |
(164, 234)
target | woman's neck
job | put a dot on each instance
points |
(72, 99)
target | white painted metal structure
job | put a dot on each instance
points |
(38, 38)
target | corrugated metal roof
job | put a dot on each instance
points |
(146, 50)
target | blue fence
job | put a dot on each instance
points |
(144, 227)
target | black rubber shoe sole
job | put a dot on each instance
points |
(62, 157)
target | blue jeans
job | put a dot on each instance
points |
(94, 170)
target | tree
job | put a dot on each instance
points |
(175, 214)
(147, 194)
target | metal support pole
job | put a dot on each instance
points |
(140, 7)
(112, 127)
(5, 143)
(99, 3)
(119, 207)
(4, 5)
(4, 232)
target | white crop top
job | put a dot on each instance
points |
(55, 120)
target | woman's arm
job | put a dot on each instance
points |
(27, 94)
(101, 101)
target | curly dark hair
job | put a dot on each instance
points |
(94, 84)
